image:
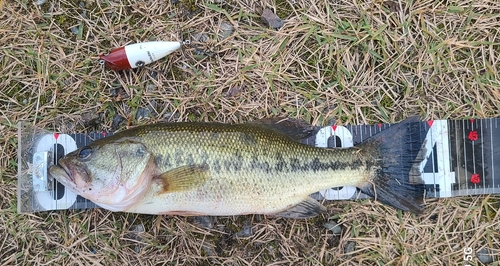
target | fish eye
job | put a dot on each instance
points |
(85, 153)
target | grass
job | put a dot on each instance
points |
(356, 62)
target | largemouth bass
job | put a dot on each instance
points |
(254, 168)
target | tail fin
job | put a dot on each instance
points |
(397, 180)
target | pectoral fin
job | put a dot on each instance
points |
(183, 178)
(305, 209)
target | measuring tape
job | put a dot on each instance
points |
(462, 158)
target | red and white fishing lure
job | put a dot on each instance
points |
(138, 54)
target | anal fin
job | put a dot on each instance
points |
(305, 209)
(183, 178)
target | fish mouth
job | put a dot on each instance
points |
(61, 173)
(66, 174)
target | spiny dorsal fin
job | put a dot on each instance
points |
(183, 178)
(296, 129)
(305, 209)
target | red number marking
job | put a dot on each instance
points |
(473, 135)
(475, 179)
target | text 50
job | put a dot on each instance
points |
(467, 255)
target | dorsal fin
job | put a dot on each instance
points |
(296, 129)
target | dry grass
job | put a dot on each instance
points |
(354, 61)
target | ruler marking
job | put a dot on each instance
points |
(56, 155)
(492, 151)
(56, 150)
(333, 134)
(85, 143)
(444, 164)
(465, 160)
(451, 157)
(433, 155)
(482, 156)
(86, 202)
(82, 139)
(54, 185)
(370, 131)
(457, 150)
(335, 145)
(360, 133)
(66, 151)
(474, 171)
(65, 190)
(448, 175)
(78, 138)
